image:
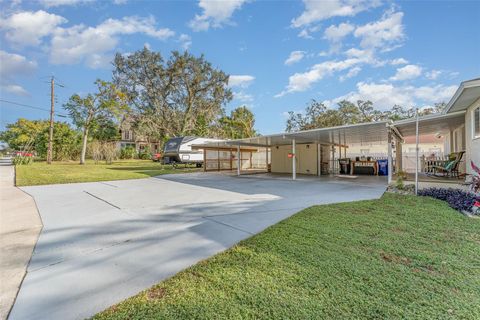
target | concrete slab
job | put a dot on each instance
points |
(20, 227)
(103, 242)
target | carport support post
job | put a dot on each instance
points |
(319, 159)
(416, 152)
(390, 162)
(205, 160)
(266, 158)
(238, 160)
(294, 161)
(399, 155)
(333, 159)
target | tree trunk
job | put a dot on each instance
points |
(84, 146)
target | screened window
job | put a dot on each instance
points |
(476, 122)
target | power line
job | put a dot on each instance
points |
(31, 107)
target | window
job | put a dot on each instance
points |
(476, 122)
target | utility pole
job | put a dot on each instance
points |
(52, 109)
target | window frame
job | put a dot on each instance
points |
(475, 124)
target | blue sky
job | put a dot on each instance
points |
(280, 54)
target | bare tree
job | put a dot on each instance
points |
(106, 103)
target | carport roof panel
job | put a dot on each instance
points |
(431, 124)
(372, 132)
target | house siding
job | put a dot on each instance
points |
(472, 144)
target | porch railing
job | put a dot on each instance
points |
(429, 163)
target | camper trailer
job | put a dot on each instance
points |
(179, 150)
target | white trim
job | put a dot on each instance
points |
(474, 135)
(464, 85)
(427, 117)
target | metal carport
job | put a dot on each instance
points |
(334, 137)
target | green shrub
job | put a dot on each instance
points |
(22, 160)
(128, 153)
(401, 177)
(145, 154)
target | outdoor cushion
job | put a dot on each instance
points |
(449, 165)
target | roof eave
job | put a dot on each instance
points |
(464, 85)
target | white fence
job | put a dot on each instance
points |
(425, 163)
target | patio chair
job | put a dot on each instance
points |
(450, 168)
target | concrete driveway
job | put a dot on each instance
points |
(103, 242)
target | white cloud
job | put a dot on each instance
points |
(305, 34)
(15, 89)
(334, 34)
(294, 57)
(303, 81)
(12, 66)
(433, 74)
(242, 81)
(337, 33)
(398, 61)
(355, 59)
(243, 97)
(15, 64)
(316, 11)
(215, 14)
(28, 28)
(384, 34)
(351, 73)
(366, 56)
(79, 43)
(185, 41)
(58, 3)
(386, 95)
(93, 45)
(410, 71)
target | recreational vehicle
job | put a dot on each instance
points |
(179, 150)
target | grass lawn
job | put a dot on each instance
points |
(40, 173)
(396, 257)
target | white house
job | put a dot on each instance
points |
(467, 136)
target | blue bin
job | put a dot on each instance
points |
(382, 167)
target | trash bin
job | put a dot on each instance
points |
(344, 166)
(382, 167)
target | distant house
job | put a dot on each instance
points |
(129, 138)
